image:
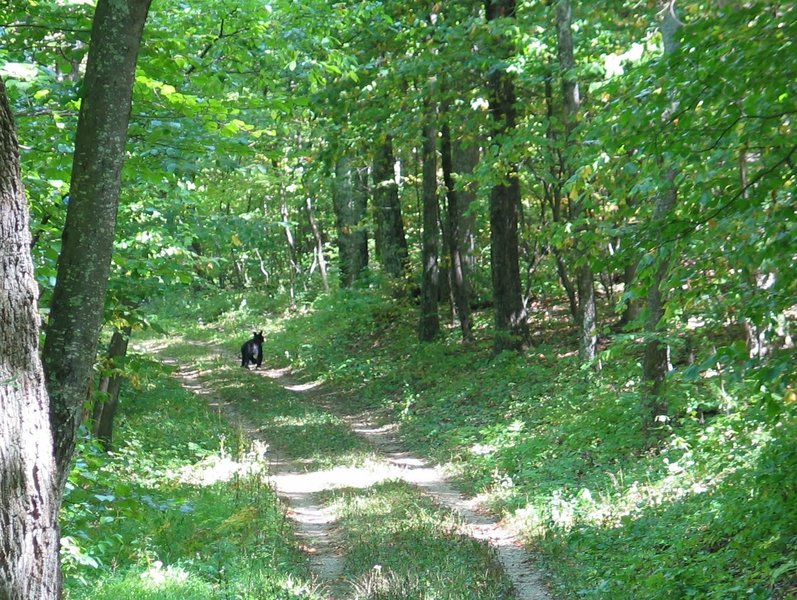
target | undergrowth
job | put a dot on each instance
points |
(181, 509)
(400, 546)
(708, 511)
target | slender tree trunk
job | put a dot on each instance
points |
(319, 243)
(349, 199)
(464, 159)
(110, 388)
(656, 362)
(511, 329)
(459, 283)
(87, 244)
(391, 243)
(293, 256)
(29, 497)
(553, 193)
(429, 325)
(585, 278)
(632, 308)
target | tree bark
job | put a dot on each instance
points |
(349, 197)
(293, 254)
(585, 278)
(111, 387)
(656, 362)
(429, 325)
(511, 329)
(29, 497)
(391, 243)
(319, 243)
(87, 244)
(455, 238)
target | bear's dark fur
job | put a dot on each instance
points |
(252, 351)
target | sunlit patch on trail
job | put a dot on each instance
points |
(219, 468)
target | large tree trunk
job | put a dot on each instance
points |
(28, 493)
(585, 279)
(349, 198)
(455, 237)
(429, 325)
(511, 329)
(87, 244)
(391, 243)
(656, 363)
(110, 388)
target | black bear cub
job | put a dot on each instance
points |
(252, 351)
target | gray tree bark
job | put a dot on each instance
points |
(319, 242)
(457, 226)
(391, 242)
(87, 244)
(349, 198)
(29, 497)
(656, 362)
(585, 278)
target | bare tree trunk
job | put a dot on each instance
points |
(293, 257)
(29, 497)
(511, 329)
(391, 243)
(429, 325)
(349, 199)
(632, 308)
(459, 282)
(84, 263)
(553, 193)
(585, 278)
(111, 386)
(319, 243)
(656, 363)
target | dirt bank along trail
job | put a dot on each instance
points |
(315, 523)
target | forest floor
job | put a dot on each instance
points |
(305, 491)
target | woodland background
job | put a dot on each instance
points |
(554, 240)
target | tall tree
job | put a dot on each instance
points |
(87, 243)
(511, 329)
(28, 494)
(391, 243)
(457, 230)
(350, 198)
(429, 324)
(110, 387)
(657, 356)
(585, 280)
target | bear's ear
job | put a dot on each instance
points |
(254, 333)
(260, 332)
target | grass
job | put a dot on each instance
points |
(397, 544)
(180, 510)
(401, 546)
(709, 511)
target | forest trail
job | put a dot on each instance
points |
(315, 524)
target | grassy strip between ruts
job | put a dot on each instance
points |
(400, 546)
(397, 543)
(180, 510)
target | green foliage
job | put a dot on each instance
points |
(180, 510)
